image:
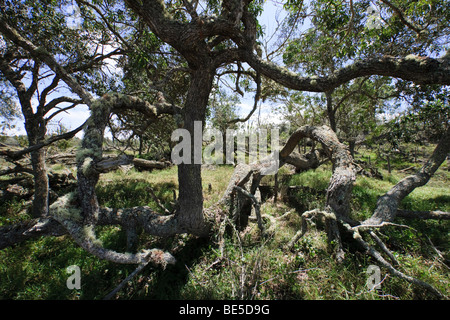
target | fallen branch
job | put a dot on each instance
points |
(158, 202)
(407, 169)
(387, 205)
(112, 163)
(383, 247)
(303, 162)
(355, 231)
(381, 225)
(19, 168)
(305, 217)
(67, 158)
(18, 154)
(143, 164)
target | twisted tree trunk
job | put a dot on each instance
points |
(339, 190)
(344, 172)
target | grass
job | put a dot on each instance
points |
(251, 266)
(37, 270)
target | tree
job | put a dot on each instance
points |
(9, 110)
(15, 65)
(339, 32)
(33, 80)
(209, 37)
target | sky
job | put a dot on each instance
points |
(77, 116)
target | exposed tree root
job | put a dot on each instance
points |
(379, 258)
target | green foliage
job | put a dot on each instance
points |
(316, 179)
(340, 32)
(134, 192)
(13, 210)
(426, 120)
(9, 109)
(223, 109)
(37, 270)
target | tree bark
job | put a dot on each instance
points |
(344, 172)
(331, 112)
(190, 198)
(36, 130)
(421, 70)
(41, 184)
(143, 164)
(35, 127)
(302, 162)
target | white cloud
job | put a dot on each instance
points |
(110, 65)
(266, 114)
(75, 118)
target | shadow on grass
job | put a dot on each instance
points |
(168, 283)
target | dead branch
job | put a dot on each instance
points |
(383, 247)
(143, 164)
(84, 235)
(306, 216)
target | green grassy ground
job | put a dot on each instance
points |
(251, 266)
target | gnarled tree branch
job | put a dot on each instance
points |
(421, 70)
